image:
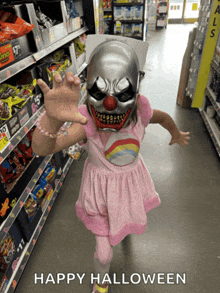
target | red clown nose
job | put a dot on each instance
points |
(110, 103)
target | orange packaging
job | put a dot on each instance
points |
(12, 26)
(6, 55)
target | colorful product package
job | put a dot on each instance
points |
(71, 10)
(7, 252)
(118, 13)
(12, 166)
(12, 26)
(30, 206)
(127, 13)
(25, 146)
(48, 175)
(7, 90)
(137, 12)
(79, 44)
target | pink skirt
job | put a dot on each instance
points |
(115, 204)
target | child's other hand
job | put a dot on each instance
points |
(61, 102)
(181, 139)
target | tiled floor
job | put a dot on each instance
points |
(182, 237)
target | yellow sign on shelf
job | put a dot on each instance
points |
(207, 55)
(194, 6)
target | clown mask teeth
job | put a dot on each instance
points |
(110, 119)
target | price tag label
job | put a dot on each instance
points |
(4, 137)
(51, 36)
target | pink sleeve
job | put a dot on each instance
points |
(146, 112)
(90, 128)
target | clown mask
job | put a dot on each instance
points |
(113, 82)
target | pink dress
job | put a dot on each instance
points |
(116, 189)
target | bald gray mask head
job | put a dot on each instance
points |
(112, 84)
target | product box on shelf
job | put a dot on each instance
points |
(16, 49)
(137, 29)
(11, 249)
(137, 12)
(162, 7)
(107, 4)
(118, 13)
(26, 224)
(71, 16)
(49, 21)
(74, 24)
(118, 28)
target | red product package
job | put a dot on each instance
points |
(12, 167)
(12, 26)
(25, 146)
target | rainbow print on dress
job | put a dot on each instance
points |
(122, 149)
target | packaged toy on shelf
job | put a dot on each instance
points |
(7, 251)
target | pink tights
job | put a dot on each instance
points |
(103, 256)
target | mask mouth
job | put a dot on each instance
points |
(112, 121)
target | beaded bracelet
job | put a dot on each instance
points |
(44, 132)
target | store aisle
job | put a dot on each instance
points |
(182, 235)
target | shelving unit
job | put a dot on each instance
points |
(211, 100)
(46, 43)
(130, 19)
(162, 12)
(204, 46)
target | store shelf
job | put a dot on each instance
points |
(39, 55)
(5, 3)
(16, 68)
(17, 208)
(34, 58)
(129, 20)
(19, 135)
(31, 244)
(212, 99)
(107, 10)
(212, 129)
(215, 66)
(129, 4)
(82, 67)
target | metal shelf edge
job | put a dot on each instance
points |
(15, 68)
(39, 55)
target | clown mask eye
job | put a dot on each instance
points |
(97, 89)
(96, 93)
(125, 90)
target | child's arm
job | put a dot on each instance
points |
(61, 106)
(167, 122)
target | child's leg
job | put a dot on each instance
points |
(103, 256)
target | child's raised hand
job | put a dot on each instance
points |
(182, 138)
(61, 102)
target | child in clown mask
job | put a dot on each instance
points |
(116, 190)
